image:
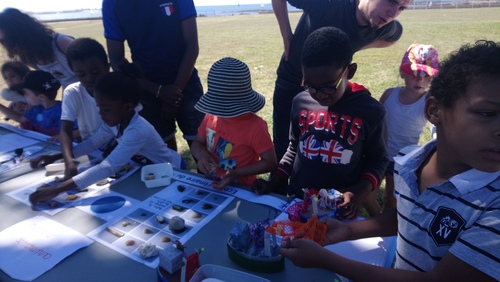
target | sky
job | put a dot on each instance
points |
(62, 5)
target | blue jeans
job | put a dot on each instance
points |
(284, 92)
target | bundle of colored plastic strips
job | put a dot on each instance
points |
(312, 229)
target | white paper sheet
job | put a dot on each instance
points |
(376, 251)
(33, 246)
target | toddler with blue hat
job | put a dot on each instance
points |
(233, 144)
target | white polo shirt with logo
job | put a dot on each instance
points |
(460, 216)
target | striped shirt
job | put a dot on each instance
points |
(460, 216)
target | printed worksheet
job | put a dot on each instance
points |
(175, 213)
(240, 193)
(73, 197)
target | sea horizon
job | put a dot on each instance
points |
(202, 11)
(248, 9)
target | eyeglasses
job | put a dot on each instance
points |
(328, 90)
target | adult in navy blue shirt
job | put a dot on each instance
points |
(368, 23)
(163, 40)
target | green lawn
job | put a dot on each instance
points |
(255, 39)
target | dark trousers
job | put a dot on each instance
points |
(284, 92)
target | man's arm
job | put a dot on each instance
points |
(281, 12)
(191, 51)
(116, 53)
(171, 94)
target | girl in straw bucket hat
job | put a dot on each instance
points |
(233, 143)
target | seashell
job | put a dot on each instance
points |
(195, 215)
(181, 188)
(126, 168)
(71, 197)
(177, 208)
(102, 182)
(207, 206)
(148, 250)
(129, 243)
(148, 231)
(160, 219)
(150, 176)
(125, 223)
(165, 239)
(200, 192)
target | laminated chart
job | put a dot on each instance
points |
(76, 197)
(157, 221)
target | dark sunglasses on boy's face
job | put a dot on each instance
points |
(328, 90)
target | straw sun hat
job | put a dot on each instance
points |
(230, 92)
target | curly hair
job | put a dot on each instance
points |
(122, 85)
(464, 67)
(25, 38)
(84, 48)
(327, 46)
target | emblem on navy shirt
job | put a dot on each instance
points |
(446, 226)
(167, 8)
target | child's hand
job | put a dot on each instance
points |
(350, 205)
(336, 231)
(303, 252)
(43, 194)
(261, 187)
(224, 180)
(54, 138)
(70, 170)
(206, 166)
(19, 107)
(41, 161)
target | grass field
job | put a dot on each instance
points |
(255, 39)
